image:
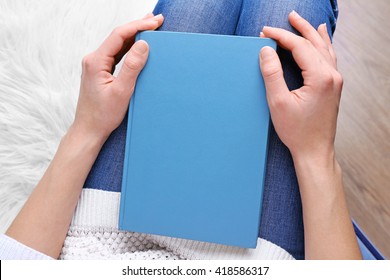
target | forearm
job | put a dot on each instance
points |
(328, 228)
(44, 220)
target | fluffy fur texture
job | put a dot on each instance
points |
(41, 47)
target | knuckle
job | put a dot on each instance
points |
(305, 41)
(332, 80)
(138, 24)
(339, 79)
(88, 61)
(328, 79)
(278, 102)
(271, 70)
(272, 73)
(133, 62)
(115, 31)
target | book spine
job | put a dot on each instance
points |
(127, 155)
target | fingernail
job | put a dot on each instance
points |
(140, 47)
(266, 27)
(295, 14)
(267, 52)
(262, 34)
(155, 18)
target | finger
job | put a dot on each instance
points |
(333, 55)
(271, 69)
(319, 38)
(126, 46)
(302, 49)
(323, 31)
(122, 34)
(132, 66)
(306, 30)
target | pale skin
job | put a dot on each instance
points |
(305, 120)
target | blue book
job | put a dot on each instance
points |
(197, 137)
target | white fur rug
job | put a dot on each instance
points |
(42, 43)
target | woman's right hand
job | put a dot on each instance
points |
(104, 98)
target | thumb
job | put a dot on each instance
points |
(132, 65)
(272, 71)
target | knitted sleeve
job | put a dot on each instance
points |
(10, 249)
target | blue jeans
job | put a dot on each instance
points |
(281, 221)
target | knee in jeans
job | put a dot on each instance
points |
(201, 16)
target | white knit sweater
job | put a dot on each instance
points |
(94, 234)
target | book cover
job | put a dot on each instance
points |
(196, 141)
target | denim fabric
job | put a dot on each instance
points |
(106, 172)
(281, 221)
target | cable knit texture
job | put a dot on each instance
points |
(94, 234)
(101, 243)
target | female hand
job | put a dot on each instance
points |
(102, 104)
(104, 99)
(305, 118)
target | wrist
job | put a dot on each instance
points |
(317, 170)
(79, 143)
(319, 178)
(84, 137)
(322, 159)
